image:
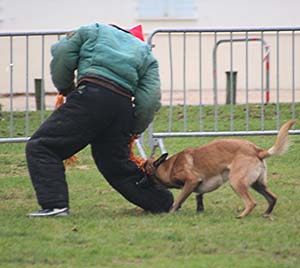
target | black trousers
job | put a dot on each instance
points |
(101, 118)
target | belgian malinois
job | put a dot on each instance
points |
(203, 169)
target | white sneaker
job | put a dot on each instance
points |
(50, 212)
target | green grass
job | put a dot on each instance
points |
(104, 230)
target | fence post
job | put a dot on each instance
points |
(231, 77)
(38, 93)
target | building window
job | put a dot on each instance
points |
(166, 9)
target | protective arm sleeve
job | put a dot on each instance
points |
(147, 98)
(65, 55)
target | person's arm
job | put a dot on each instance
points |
(66, 54)
(147, 97)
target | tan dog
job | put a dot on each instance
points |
(203, 169)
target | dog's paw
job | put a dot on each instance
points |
(268, 216)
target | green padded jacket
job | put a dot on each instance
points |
(106, 51)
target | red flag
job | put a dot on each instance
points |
(137, 31)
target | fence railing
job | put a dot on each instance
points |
(190, 77)
(267, 84)
(25, 58)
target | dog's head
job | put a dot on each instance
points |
(152, 164)
(151, 167)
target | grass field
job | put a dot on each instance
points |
(104, 230)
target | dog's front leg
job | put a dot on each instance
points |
(187, 189)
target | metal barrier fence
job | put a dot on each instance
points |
(24, 59)
(192, 65)
(267, 83)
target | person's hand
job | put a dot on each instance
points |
(67, 90)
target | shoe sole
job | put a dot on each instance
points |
(57, 214)
(63, 214)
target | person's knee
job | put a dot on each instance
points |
(31, 147)
(35, 150)
(157, 198)
(164, 202)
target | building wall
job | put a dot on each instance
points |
(33, 15)
(25, 15)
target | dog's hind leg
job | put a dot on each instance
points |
(242, 190)
(250, 204)
(199, 199)
(270, 197)
(242, 174)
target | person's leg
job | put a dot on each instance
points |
(112, 159)
(63, 134)
(110, 150)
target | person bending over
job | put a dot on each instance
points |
(116, 95)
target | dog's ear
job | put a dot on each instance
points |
(160, 160)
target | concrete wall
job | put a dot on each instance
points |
(33, 15)
(18, 15)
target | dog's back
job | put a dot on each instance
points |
(211, 159)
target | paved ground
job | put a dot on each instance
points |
(191, 97)
(19, 103)
(254, 96)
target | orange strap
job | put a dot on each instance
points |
(139, 161)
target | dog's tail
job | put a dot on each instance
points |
(281, 144)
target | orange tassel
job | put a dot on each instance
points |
(139, 161)
(71, 161)
(59, 100)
